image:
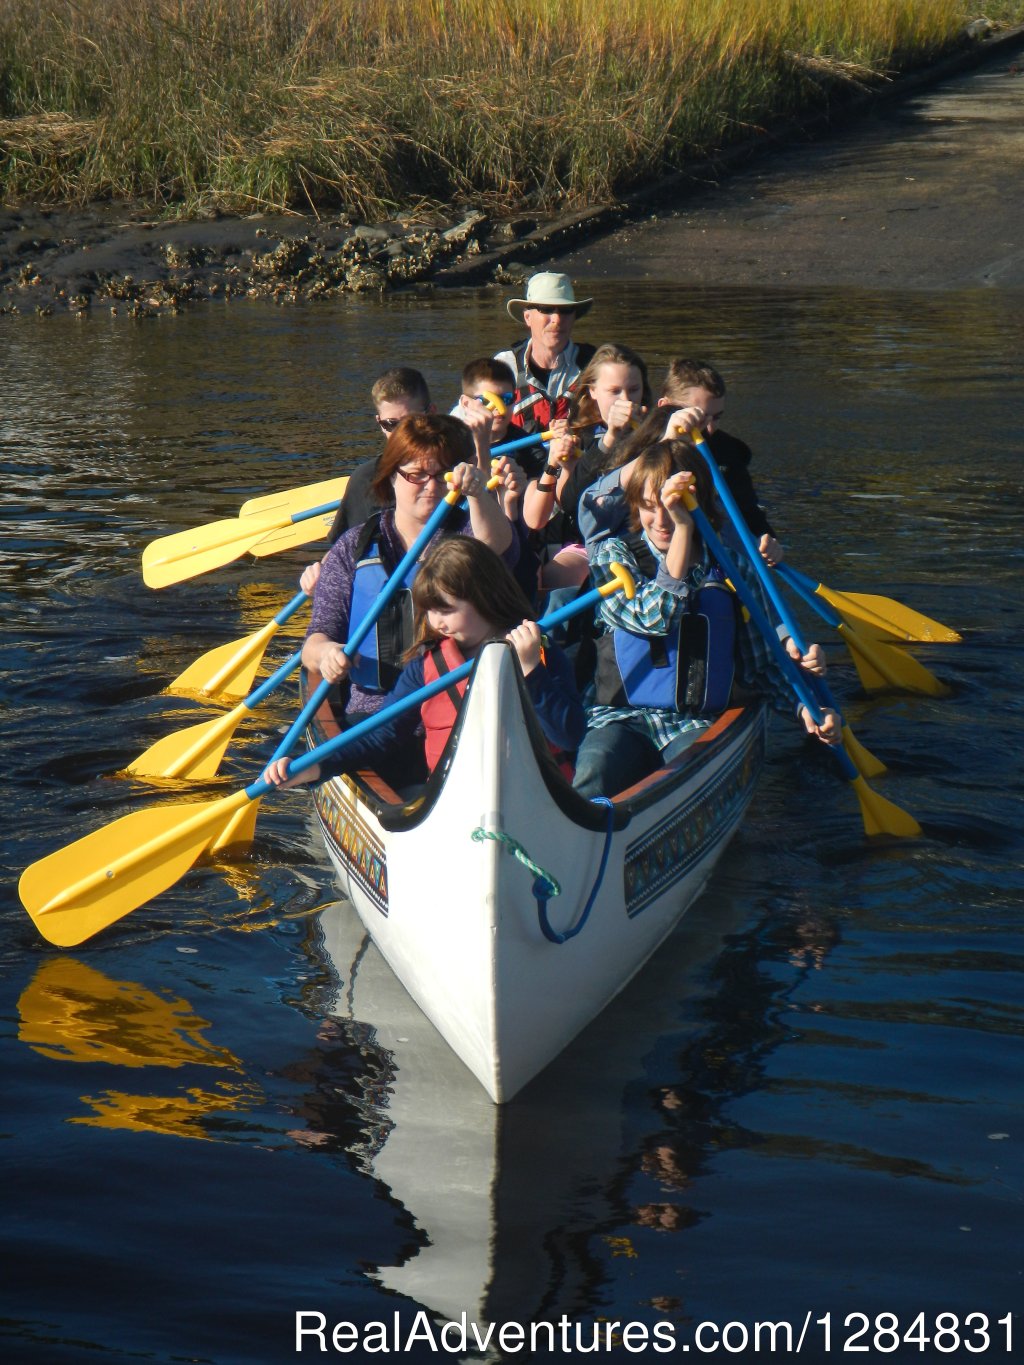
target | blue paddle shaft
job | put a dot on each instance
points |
(795, 576)
(519, 444)
(417, 698)
(366, 624)
(817, 687)
(396, 580)
(790, 669)
(288, 611)
(800, 585)
(275, 680)
(320, 511)
(330, 746)
(749, 544)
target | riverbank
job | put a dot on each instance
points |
(125, 260)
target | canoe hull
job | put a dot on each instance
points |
(448, 896)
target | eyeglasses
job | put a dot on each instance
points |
(506, 398)
(419, 478)
(388, 424)
(553, 312)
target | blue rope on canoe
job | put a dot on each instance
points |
(545, 886)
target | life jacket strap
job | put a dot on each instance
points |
(441, 664)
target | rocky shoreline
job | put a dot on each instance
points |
(119, 259)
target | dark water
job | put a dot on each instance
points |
(810, 1103)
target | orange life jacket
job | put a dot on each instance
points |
(440, 712)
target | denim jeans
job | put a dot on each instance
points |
(612, 759)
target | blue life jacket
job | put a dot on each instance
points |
(379, 661)
(690, 669)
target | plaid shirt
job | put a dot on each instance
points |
(655, 610)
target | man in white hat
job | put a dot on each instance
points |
(548, 363)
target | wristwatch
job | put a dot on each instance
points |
(551, 471)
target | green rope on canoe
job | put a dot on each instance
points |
(516, 848)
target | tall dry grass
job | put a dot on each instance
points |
(372, 105)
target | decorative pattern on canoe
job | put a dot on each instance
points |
(354, 842)
(667, 852)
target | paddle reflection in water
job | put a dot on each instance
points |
(72, 1012)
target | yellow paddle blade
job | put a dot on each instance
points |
(239, 831)
(293, 536)
(185, 554)
(88, 885)
(226, 672)
(870, 678)
(914, 625)
(897, 669)
(293, 500)
(881, 816)
(195, 752)
(204, 548)
(886, 617)
(863, 759)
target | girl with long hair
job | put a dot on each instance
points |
(612, 394)
(677, 654)
(463, 599)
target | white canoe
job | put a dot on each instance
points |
(453, 911)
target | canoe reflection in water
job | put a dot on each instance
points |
(517, 1205)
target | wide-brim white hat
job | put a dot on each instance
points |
(549, 289)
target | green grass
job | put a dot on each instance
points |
(370, 106)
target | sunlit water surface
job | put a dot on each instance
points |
(809, 1102)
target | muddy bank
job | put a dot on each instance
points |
(117, 258)
(921, 190)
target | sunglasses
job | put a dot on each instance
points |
(388, 424)
(506, 398)
(420, 477)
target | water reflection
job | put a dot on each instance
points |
(72, 1012)
(537, 1208)
(510, 1202)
